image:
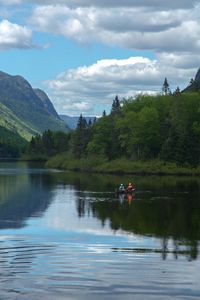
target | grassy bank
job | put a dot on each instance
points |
(119, 166)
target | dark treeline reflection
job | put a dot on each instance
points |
(22, 196)
(177, 218)
(108, 183)
(164, 207)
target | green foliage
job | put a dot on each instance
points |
(99, 164)
(116, 108)
(104, 138)
(148, 128)
(11, 122)
(165, 87)
(21, 100)
(48, 144)
(81, 137)
(11, 144)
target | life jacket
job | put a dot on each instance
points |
(130, 187)
(121, 188)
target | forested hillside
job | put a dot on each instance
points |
(11, 144)
(24, 112)
(31, 109)
(164, 127)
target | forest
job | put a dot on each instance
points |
(146, 128)
(12, 145)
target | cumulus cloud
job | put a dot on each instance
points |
(163, 5)
(130, 3)
(135, 24)
(134, 28)
(169, 29)
(14, 36)
(91, 89)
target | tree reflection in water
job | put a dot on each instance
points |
(21, 197)
(166, 210)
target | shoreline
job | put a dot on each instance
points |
(115, 167)
(120, 166)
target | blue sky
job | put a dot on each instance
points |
(84, 52)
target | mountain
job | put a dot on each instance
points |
(197, 77)
(194, 85)
(71, 122)
(25, 110)
(46, 102)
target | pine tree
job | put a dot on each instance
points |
(80, 137)
(116, 108)
(177, 92)
(165, 87)
(104, 114)
(193, 85)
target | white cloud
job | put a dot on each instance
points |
(14, 36)
(169, 29)
(91, 89)
(162, 5)
(159, 26)
(82, 106)
(134, 28)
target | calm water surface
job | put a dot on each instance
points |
(68, 236)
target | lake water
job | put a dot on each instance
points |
(69, 236)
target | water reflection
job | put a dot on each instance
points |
(167, 208)
(72, 237)
(175, 218)
(23, 193)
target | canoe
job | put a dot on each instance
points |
(125, 191)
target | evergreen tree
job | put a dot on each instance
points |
(116, 108)
(193, 85)
(48, 142)
(80, 137)
(177, 92)
(165, 87)
(191, 81)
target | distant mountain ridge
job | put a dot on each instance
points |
(25, 110)
(71, 122)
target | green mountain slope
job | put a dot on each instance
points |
(12, 123)
(25, 110)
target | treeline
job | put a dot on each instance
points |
(165, 127)
(12, 145)
(48, 144)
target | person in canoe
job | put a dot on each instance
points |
(130, 188)
(121, 188)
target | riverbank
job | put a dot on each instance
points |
(119, 166)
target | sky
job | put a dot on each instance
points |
(84, 52)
